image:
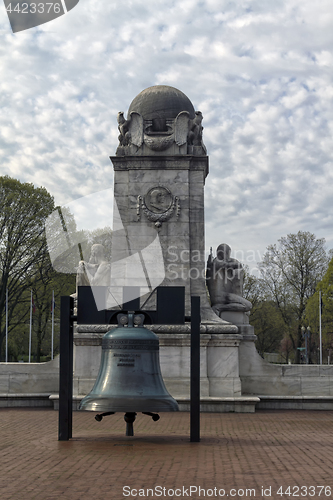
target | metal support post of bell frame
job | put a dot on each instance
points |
(195, 371)
(66, 369)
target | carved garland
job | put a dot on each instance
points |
(153, 216)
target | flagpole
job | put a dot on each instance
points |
(52, 336)
(30, 327)
(6, 325)
(320, 341)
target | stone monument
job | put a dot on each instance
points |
(160, 169)
(159, 175)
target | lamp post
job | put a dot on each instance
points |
(308, 343)
(303, 337)
(320, 332)
(306, 332)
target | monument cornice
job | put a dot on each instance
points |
(174, 162)
(215, 331)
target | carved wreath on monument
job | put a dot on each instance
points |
(158, 205)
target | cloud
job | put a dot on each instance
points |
(259, 71)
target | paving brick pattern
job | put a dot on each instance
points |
(237, 453)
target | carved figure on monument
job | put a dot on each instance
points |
(224, 279)
(124, 134)
(195, 130)
(96, 272)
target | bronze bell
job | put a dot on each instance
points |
(129, 378)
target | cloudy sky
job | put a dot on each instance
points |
(260, 72)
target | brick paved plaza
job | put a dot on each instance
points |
(239, 454)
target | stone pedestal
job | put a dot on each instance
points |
(241, 320)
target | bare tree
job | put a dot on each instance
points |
(23, 210)
(290, 272)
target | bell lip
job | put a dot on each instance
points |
(134, 404)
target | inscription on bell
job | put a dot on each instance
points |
(126, 359)
(130, 344)
(125, 364)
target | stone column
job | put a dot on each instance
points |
(181, 235)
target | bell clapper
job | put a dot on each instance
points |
(129, 419)
(154, 416)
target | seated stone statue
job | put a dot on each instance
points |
(225, 282)
(96, 272)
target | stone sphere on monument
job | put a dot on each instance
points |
(161, 101)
